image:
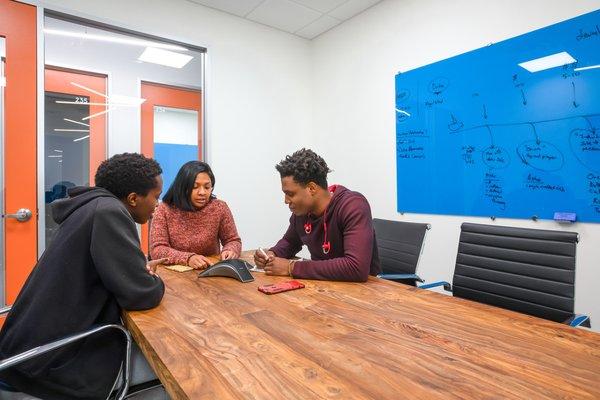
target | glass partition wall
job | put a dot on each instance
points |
(109, 91)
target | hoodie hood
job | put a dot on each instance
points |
(339, 193)
(78, 197)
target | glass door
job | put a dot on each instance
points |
(75, 110)
(171, 131)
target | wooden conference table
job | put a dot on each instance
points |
(217, 338)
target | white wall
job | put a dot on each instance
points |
(175, 126)
(258, 99)
(353, 96)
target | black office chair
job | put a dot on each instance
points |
(531, 271)
(37, 351)
(399, 245)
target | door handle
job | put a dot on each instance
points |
(22, 215)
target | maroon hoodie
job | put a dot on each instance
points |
(352, 252)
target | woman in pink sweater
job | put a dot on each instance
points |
(191, 223)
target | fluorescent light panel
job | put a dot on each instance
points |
(75, 122)
(120, 100)
(113, 39)
(98, 114)
(164, 57)
(79, 103)
(81, 138)
(588, 67)
(551, 61)
(88, 89)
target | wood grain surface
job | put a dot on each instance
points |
(217, 338)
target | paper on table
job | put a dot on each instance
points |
(255, 269)
(179, 268)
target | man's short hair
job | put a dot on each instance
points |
(304, 166)
(127, 173)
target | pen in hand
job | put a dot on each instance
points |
(264, 253)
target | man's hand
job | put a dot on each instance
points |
(261, 261)
(279, 266)
(199, 262)
(151, 265)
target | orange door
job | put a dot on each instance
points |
(171, 130)
(18, 232)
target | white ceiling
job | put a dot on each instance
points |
(305, 18)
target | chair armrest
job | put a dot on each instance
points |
(45, 348)
(579, 320)
(393, 277)
(446, 285)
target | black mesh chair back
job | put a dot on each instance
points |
(399, 245)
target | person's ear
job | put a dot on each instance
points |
(132, 199)
(312, 188)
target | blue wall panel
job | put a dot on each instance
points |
(171, 157)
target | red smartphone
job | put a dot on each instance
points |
(280, 287)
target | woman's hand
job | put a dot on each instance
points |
(227, 255)
(198, 262)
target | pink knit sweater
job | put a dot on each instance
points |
(177, 235)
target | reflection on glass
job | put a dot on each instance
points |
(125, 60)
(2, 85)
(175, 140)
(66, 149)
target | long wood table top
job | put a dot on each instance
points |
(217, 338)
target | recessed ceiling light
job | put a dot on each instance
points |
(120, 100)
(114, 39)
(81, 138)
(551, 61)
(164, 57)
(75, 122)
(588, 67)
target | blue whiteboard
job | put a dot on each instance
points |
(479, 135)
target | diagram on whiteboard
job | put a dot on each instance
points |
(508, 130)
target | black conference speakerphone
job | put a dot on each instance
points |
(236, 269)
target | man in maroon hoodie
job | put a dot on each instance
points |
(333, 222)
